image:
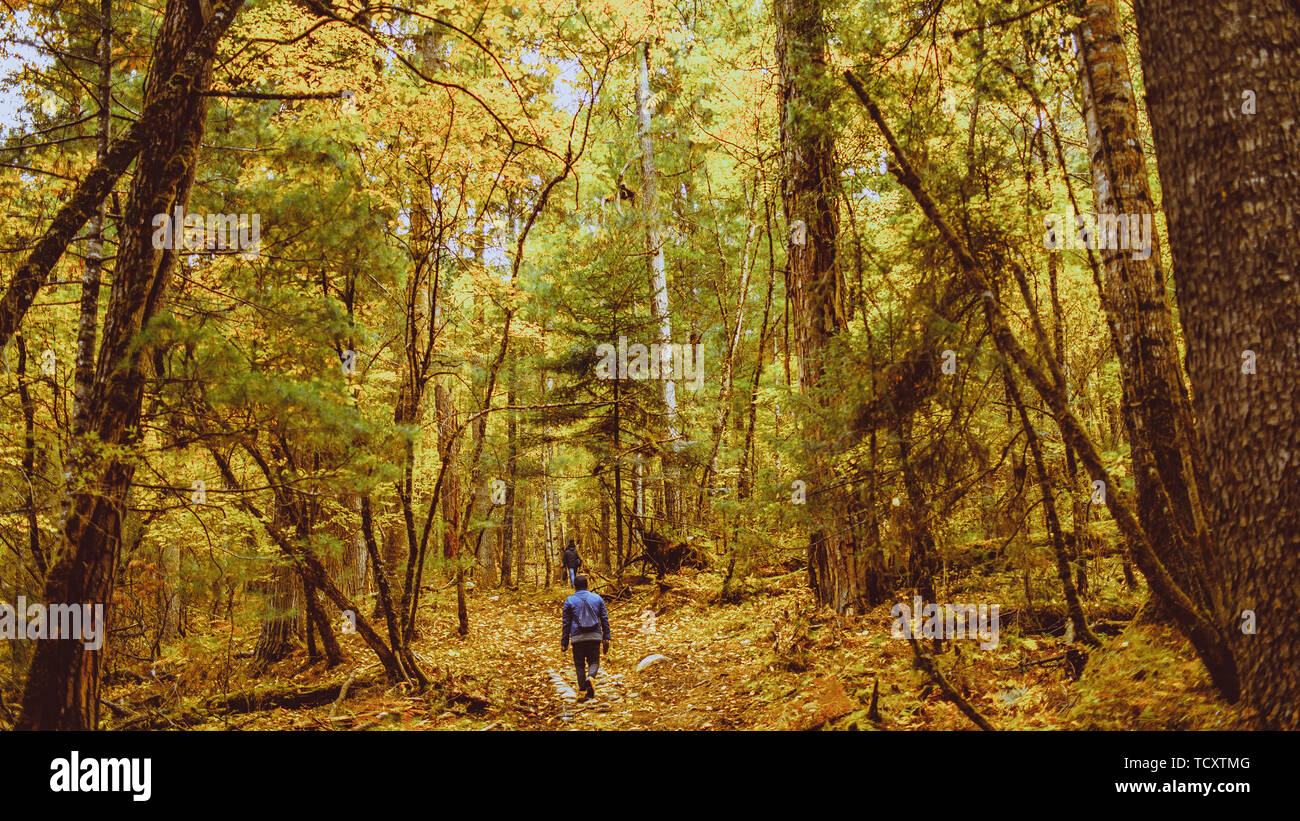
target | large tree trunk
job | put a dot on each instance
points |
(1157, 412)
(1224, 96)
(280, 617)
(62, 688)
(355, 560)
(809, 184)
(812, 270)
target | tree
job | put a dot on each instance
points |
(658, 277)
(813, 280)
(1224, 95)
(62, 688)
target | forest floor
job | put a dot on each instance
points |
(768, 660)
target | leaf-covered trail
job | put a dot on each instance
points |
(513, 654)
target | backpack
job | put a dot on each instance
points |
(586, 614)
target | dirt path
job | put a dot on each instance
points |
(703, 681)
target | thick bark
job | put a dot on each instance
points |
(813, 283)
(1231, 183)
(355, 561)
(279, 620)
(809, 179)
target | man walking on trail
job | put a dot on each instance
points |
(572, 561)
(586, 624)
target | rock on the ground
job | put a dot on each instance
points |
(649, 660)
(562, 688)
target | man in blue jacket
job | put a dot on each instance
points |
(586, 625)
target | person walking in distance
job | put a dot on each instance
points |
(586, 626)
(572, 561)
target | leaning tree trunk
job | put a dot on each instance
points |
(305, 513)
(1157, 412)
(1224, 94)
(62, 687)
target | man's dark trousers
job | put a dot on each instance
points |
(585, 653)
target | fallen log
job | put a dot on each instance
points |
(254, 700)
(1051, 619)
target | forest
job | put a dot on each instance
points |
(880, 365)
